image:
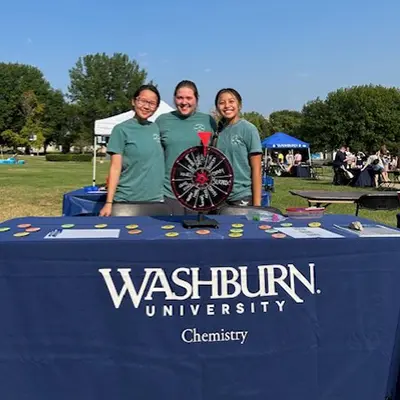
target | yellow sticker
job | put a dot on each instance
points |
(168, 227)
(100, 226)
(172, 234)
(235, 235)
(236, 230)
(132, 226)
(21, 234)
(67, 226)
(314, 224)
(237, 225)
(135, 232)
(4, 229)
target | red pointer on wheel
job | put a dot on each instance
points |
(205, 140)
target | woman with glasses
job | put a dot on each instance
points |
(179, 131)
(137, 158)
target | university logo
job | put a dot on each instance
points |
(199, 128)
(222, 290)
(236, 139)
(156, 137)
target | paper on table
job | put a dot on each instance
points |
(372, 231)
(85, 234)
(308, 233)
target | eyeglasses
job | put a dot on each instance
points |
(150, 104)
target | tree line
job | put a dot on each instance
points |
(33, 114)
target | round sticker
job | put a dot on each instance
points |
(271, 231)
(278, 235)
(168, 227)
(21, 234)
(237, 225)
(236, 230)
(132, 226)
(23, 226)
(4, 229)
(264, 227)
(100, 226)
(172, 234)
(134, 231)
(32, 229)
(67, 226)
(235, 235)
(287, 224)
(203, 232)
(314, 224)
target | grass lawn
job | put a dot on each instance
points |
(36, 189)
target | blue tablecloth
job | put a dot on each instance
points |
(82, 203)
(197, 316)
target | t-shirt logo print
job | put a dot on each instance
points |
(236, 139)
(156, 137)
(199, 128)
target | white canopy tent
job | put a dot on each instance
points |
(104, 127)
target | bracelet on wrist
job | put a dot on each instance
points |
(109, 202)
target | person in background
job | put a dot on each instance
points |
(375, 162)
(179, 131)
(297, 158)
(240, 141)
(137, 159)
(339, 163)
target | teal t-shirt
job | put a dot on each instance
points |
(142, 173)
(178, 134)
(237, 142)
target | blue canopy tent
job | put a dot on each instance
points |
(280, 140)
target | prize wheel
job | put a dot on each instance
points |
(202, 178)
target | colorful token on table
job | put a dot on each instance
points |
(32, 229)
(132, 226)
(235, 235)
(265, 227)
(100, 226)
(168, 227)
(203, 232)
(236, 230)
(24, 226)
(286, 224)
(21, 234)
(237, 225)
(4, 229)
(271, 231)
(278, 235)
(134, 232)
(67, 226)
(314, 224)
(172, 234)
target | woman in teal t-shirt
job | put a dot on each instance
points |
(240, 141)
(179, 131)
(137, 157)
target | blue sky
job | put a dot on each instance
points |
(278, 54)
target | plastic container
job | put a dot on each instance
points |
(305, 212)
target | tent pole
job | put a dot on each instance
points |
(94, 162)
(309, 155)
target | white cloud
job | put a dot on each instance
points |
(207, 70)
(29, 40)
(143, 54)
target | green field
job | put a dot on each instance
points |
(36, 189)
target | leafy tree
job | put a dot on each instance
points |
(363, 117)
(286, 121)
(103, 85)
(259, 121)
